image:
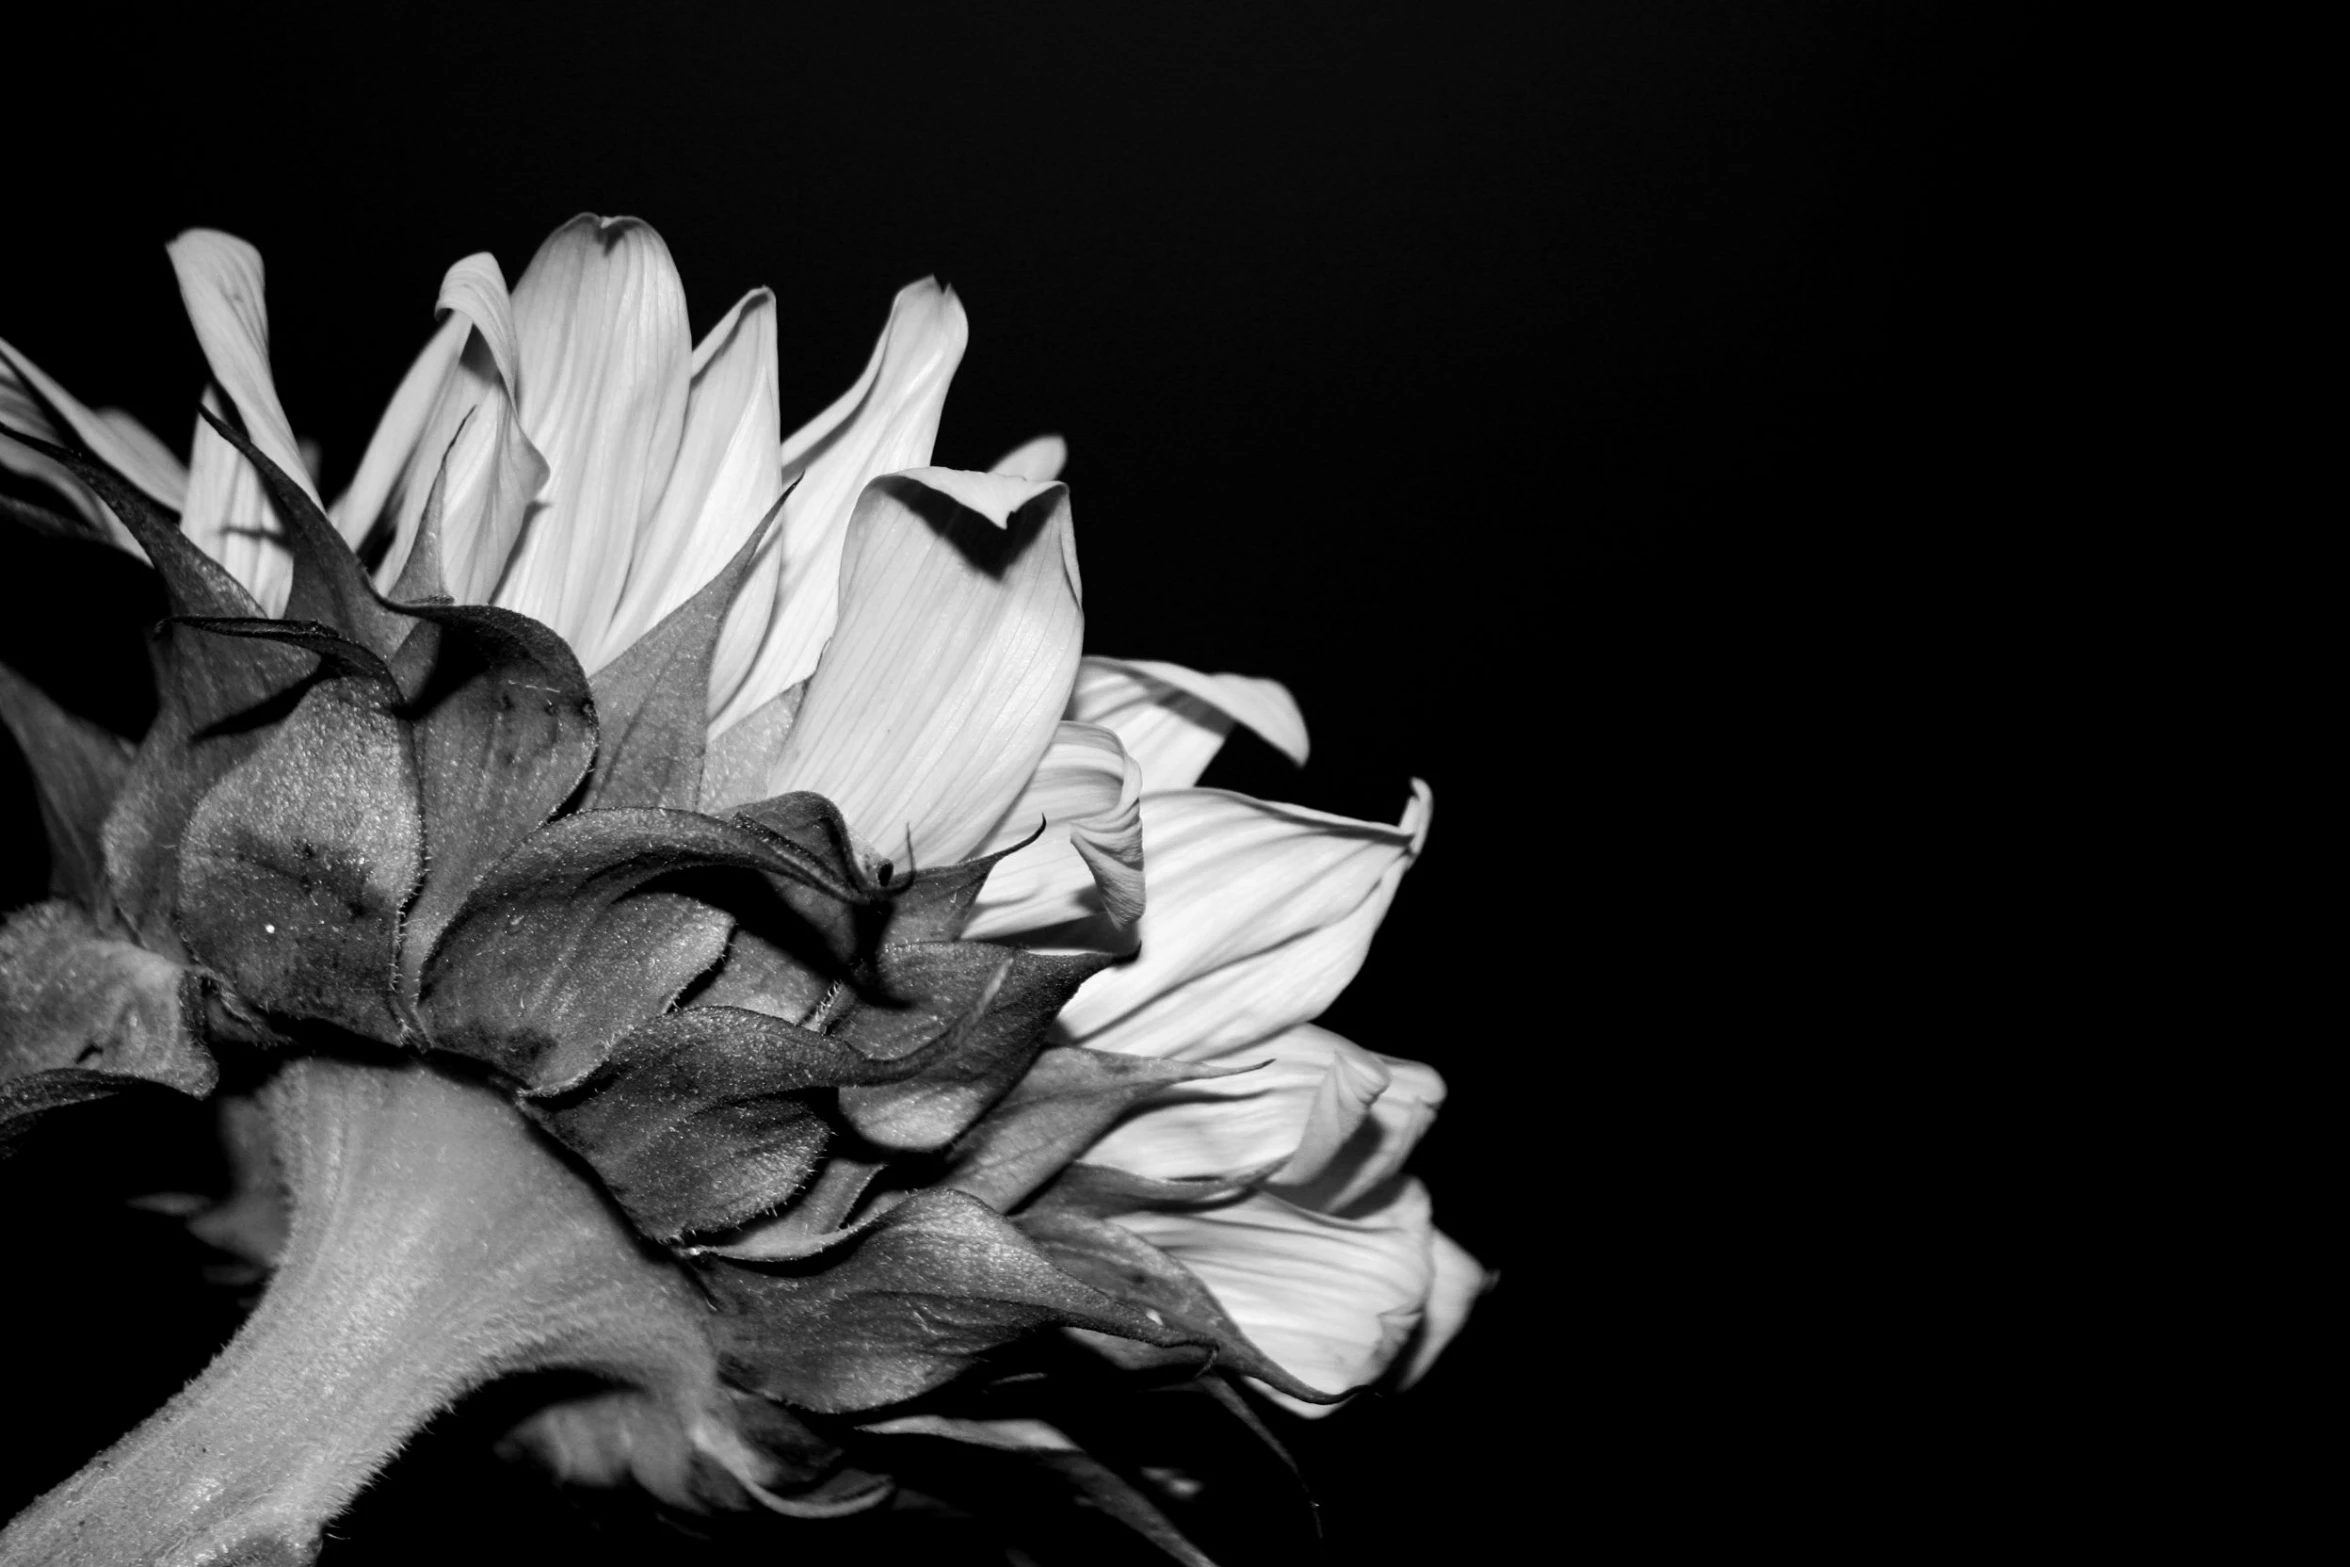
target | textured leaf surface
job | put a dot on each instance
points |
(210, 698)
(294, 868)
(562, 947)
(329, 587)
(899, 1307)
(703, 1119)
(72, 997)
(987, 1008)
(77, 768)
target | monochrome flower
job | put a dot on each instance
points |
(704, 919)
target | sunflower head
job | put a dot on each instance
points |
(685, 893)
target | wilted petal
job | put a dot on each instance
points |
(606, 360)
(1173, 720)
(943, 684)
(1040, 459)
(729, 471)
(114, 437)
(883, 424)
(1259, 916)
(1459, 1280)
(1087, 795)
(1332, 1300)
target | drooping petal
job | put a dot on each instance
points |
(1174, 720)
(1357, 1136)
(1087, 795)
(944, 682)
(606, 362)
(111, 435)
(220, 280)
(1459, 1279)
(729, 471)
(883, 424)
(1040, 459)
(1259, 916)
(1332, 1300)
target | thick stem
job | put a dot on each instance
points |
(437, 1243)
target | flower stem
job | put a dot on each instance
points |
(437, 1242)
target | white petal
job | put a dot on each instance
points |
(944, 682)
(1259, 916)
(1458, 1281)
(494, 473)
(1040, 459)
(221, 284)
(883, 424)
(1224, 1127)
(1368, 1116)
(1087, 795)
(606, 359)
(729, 471)
(111, 435)
(1332, 1300)
(230, 518)
(1174, 720)
(398, 431)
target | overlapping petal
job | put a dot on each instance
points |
(943, 684)
(227, 513)
(456, 408)
(606, 365)
(1173, 720)
(1259, 916)
(1330, 1119)
(1087, 796)
(1331, 1299)
(1040, 459)
(884, 424)
(729, 471)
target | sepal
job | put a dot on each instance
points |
(294, 868)
(71, 997)
(1068, 1098)
(898, 1306)
(563, 947)
(77, 769)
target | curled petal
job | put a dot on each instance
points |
(1459, 1279)
(1259, 916)
(27, 398)
(1174, 720)
(1041, 459)
(943, 684)
(606, 360)
(883, 424)
(1332, 1300)
(1087, 792)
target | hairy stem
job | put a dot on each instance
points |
(437, 1243)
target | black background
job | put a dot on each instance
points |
(1550, 396)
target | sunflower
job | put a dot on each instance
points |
(676, 895)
